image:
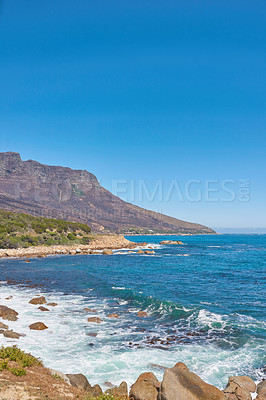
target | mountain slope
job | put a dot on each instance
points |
(76, 195)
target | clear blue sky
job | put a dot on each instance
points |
(144, 91)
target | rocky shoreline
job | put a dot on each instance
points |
(178, 382)
(99, 243)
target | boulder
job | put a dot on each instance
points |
(261, 390)
(78, 250)
(43, 308)
(96, 320)
(113, 315)
(142, 314)
(243, 381)
(107, 252)
(149, 252)
(8, 314)
(171, 242)
(3, 326)
(52, 304)
(181, 384)
(11, 334)
(140, 252)
(145, 388)
(79, 381)
(181, 365)
(72, 252)
(120, 392)
(38, 300)
(239, 388)
(94, 391)
(38, 326)
(90, 310)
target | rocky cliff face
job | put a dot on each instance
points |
(76, 195)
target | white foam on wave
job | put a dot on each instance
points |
(67, 346)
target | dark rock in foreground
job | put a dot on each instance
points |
(181, 384)
(145, 388)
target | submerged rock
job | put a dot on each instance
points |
(38, 300)
(90, 310)
(8, 314)
(179, 383)
(171, 242)
(43, 308)
(113, 315)
(38, 326)
(142, 314)
(96, 320)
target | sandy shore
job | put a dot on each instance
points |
(100, 242)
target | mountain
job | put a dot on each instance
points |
(76, 195)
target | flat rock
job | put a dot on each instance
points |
(96, 320)
(38, 326)
(38, 300)
(90, 310)
(43, 308)
(52, 304)
(181, 384)
(171, 242)
(11, 334)
(8, 314)
(3, 326)
(113, 315)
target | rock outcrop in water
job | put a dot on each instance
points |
(76, 195)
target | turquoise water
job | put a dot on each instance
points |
(205, 302)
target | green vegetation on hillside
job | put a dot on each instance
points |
(15, 360)
(22, 230)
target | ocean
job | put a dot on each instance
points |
(205, 302)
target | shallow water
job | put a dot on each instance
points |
(205, 302)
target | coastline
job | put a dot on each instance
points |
(43, 381)
(99, 242)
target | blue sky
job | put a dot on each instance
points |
(145, 94)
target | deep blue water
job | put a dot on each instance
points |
(205, 301)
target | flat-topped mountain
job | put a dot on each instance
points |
(76, 195)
